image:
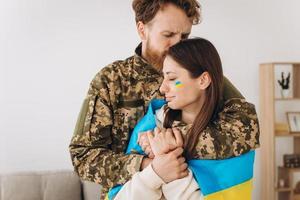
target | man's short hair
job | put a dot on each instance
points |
(145, 10)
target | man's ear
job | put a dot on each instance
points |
(204, 80)
(141, 30)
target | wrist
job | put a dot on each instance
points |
(146, 161)
(156, 166)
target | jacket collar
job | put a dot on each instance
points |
(143, 69)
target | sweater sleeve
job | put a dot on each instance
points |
(143, 185)
(184, 188)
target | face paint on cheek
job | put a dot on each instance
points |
(178, 84)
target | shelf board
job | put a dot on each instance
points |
(276, 63)
(287, 134)
(290, 169)
(286, 99)
(284, 189)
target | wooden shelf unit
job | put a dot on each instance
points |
(287, 99)
(270, 173)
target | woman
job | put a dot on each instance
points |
(192, 85)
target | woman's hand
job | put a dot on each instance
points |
(170, 166)
(164, 141)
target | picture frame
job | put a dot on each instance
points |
(294, 121)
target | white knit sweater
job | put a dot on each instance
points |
(147, 185)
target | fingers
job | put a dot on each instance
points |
(178, 137)
(183, 167)
(156, 131)
(151, 155)
(142, 137)
(169, 134)
(183, 174)
(177, 152)
(148, 150)
(144, 144)
(181, 160)
(143, 141)
(183, 170)
(151, 141)
(170, 139)
(150, 135)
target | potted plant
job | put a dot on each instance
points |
(284, 84)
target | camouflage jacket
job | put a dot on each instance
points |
(235, 131)
(117, 98)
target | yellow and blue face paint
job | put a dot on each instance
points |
(178, 84)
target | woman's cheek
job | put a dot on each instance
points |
(178, 84)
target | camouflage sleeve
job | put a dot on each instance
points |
(90, 147)
(235, 131)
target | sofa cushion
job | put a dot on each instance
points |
(58, 185)
(91, 191)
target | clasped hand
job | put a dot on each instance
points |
(165, 148)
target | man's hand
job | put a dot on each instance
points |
(170, 166)
(143, 141)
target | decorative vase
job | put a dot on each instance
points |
(285, 93)
(281, 183)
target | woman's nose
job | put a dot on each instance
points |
(163, 88)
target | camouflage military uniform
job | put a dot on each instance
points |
(117, 98)
(235, 131)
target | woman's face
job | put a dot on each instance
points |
(180, 89)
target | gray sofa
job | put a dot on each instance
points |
(50, 185)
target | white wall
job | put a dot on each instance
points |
(50, 50)
(247, 33)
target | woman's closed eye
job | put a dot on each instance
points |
(172, 79)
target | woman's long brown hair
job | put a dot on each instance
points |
(198, 55)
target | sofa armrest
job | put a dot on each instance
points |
(91, 191)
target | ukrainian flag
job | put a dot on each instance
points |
(227, 179)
